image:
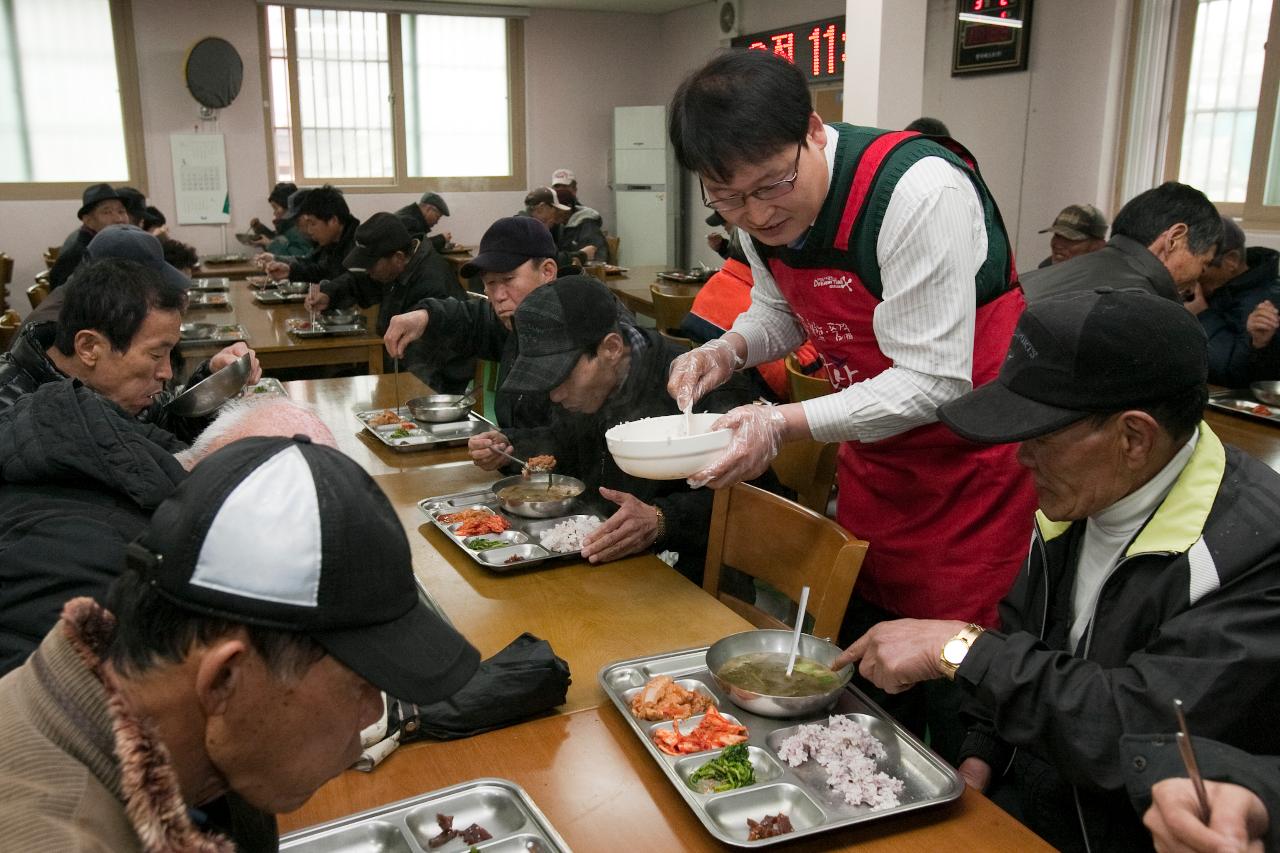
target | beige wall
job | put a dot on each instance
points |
(1041, 136)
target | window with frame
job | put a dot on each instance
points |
(67, 74)
(368, 99)
(1222, 133)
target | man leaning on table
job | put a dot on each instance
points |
(600, 372)
(1153, 574)
(233, 667)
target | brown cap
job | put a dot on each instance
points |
(1079, 222)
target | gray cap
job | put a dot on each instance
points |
(435, 201)
(1079, 222)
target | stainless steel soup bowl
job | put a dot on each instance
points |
(766, 640)
(1267, 392)
(539, 509)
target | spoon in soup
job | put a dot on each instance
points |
(795, 636)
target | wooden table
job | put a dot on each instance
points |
(239, 269)
(337, 401)
(633, 288)
(269, 336)
(591, 615)
(602, 792)
(460, 260)
(1253, 437)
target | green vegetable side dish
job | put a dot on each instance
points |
(485, 544)
(731, 770)
(400, 433)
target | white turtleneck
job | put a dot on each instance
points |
(1108, 533)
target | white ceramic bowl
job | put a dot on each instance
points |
(658, 449)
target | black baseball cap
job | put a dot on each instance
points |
(95, 194)
(508, 243)
(554, 325)
(286, 534)
(1080, 354)
(132, 243)
(378, 236)
(435, 201)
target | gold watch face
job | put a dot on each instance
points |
(954, 651)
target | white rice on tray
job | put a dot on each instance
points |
(569, 534)
(848, 752)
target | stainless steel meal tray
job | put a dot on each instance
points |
(224, 334)
(523, 535)
(800, 792)
(500, 806)
(215, 283)
(207, 299)
(424, 436)
(229, 258)
(267, 386)
(1242, 402)
(686, 276)
(320, 329)
(271, 296)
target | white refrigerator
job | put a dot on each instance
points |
(646, 184)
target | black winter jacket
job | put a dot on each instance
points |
(416, 223)
(1191, 612)
(1121, 263)
(326, 261)
(79, 480)
(1230, 348)
(69, 256)
(427, 276)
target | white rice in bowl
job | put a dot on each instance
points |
(848, 752)
(569, 534)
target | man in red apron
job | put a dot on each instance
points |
(887, 250)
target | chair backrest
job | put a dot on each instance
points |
(38, 291)
(10, 322)
(6, 276)
(670, 306)
(802, 385)
(51, 256)
(808, 468)
(611, 248)
(802, 548)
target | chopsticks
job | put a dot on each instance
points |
(1189, 759)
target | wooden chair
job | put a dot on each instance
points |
(6, 276)
(611, 249)
(51, 256)
(38, 291)
(802, 385)
(670, 307)
(10, 322)
(808, 468)
(802, 548)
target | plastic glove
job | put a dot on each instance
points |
(757, 438)
(699, 370)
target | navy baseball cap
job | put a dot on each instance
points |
(133, 244)
(1081, 354)
(285, 534)
(508, 243)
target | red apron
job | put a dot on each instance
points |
(948, 521)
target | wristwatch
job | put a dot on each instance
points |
(955, 649)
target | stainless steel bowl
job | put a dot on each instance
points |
(1267, 392)
(339, 316)
(539, 509)
(206, 396)
(440, 408)
(775, 641)
(292, 286)
(197, 331)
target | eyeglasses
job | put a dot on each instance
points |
(770, 191)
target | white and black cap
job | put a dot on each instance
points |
(285, 534)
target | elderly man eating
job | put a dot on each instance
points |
(1153, 574)
(233, 667)
(600, 372)
(114, 333)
